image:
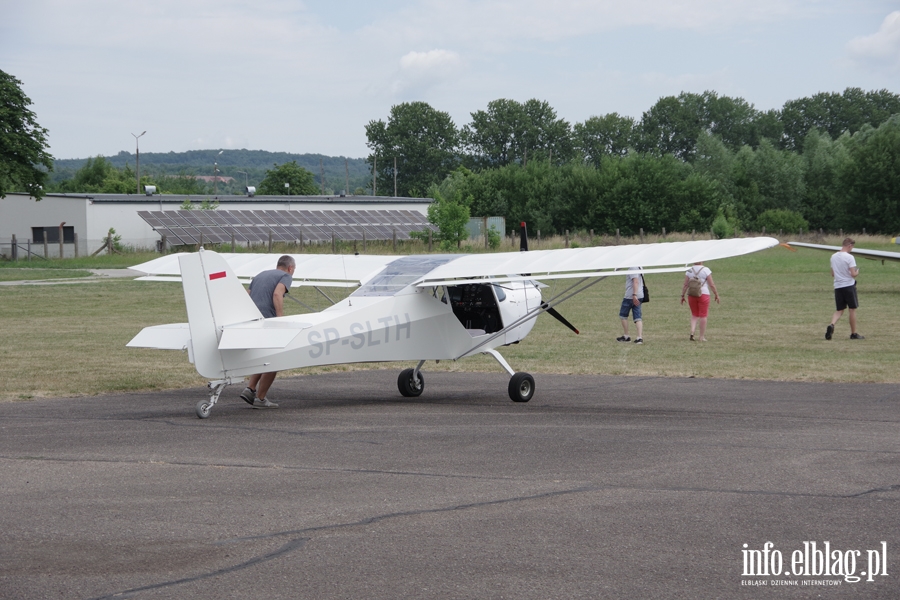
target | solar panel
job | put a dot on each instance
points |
(184, 227)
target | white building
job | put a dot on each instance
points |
(88, 218)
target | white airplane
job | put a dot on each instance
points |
(881, 255)
(406, 308)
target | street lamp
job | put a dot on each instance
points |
(216, 173)
(137, 160)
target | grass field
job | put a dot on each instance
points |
(69, 339)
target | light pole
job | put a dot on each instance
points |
(216, 173)
(137, 160)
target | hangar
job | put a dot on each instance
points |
(85, 219)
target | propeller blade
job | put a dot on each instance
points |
(553, 312)
(523, 239)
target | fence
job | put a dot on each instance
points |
(27, 250)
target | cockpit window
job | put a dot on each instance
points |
(401, 273)
(501, 293)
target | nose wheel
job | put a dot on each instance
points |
(521, 387)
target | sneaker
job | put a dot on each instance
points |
(829, 331)
(639, 341)
(248, 396)
(856, 336)
(623, 338)
(692, 337)
(264, 403)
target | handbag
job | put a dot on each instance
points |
(646, 297)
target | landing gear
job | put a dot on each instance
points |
(411, 383)
(521, 387)
(204, 407)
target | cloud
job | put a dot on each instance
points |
(421, 71)
(881, 48)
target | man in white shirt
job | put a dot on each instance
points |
(844, 271)
(634, 294)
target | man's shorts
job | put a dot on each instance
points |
(628, 306)
(845, 297)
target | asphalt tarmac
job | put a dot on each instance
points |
(600, 487)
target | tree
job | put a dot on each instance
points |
(494, 135)
(834, 114)
(609, 135)
(424, 142)
(673, 124)
(451, 215)
(300, 181)
(23, 143)
(872, 179)
(510, 132)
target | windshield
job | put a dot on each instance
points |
(401, 273)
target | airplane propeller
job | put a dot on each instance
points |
(553, 312)
(523, 247)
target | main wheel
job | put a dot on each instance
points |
(409, 387)
(203, 408)
(521, 387)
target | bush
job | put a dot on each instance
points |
(778, 219)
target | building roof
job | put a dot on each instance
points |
(226, 199)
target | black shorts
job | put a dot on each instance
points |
(845, 297)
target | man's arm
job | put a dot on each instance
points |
(278, 299)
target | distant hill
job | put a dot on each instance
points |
(247, 167)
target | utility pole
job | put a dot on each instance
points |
(137, 160)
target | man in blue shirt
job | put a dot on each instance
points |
(267, 291)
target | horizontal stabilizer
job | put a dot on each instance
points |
(174, 336)
(260, 335)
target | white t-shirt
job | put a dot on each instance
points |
(701, 273)
(630, 280)
(841, 263)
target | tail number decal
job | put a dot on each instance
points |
(362, 335)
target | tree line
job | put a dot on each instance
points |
(178, 172)
(692, 162)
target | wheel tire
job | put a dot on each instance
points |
(521, 387)
(407, 386)
(203, 409)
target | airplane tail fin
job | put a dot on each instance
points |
(214, 298)
(523, 239)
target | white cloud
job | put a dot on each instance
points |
(881, 48)
(421, 71)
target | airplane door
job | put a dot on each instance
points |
(519, 298)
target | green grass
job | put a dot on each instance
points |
(70, 340)
(14, 274)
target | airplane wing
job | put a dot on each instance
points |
(597, 261)
(326, 270)
(870, 254)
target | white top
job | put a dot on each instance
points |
(841, 263)
(632, 280)
(701, 273)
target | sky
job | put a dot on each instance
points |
(307, 76)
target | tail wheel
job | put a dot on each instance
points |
(410, 387)
(521, 387)
(203, 408)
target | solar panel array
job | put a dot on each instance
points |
(188, 227)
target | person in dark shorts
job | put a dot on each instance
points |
(844, 271)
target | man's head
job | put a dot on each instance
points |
(286, 263)
(848, 243)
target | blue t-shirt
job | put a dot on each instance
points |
(262, 288)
